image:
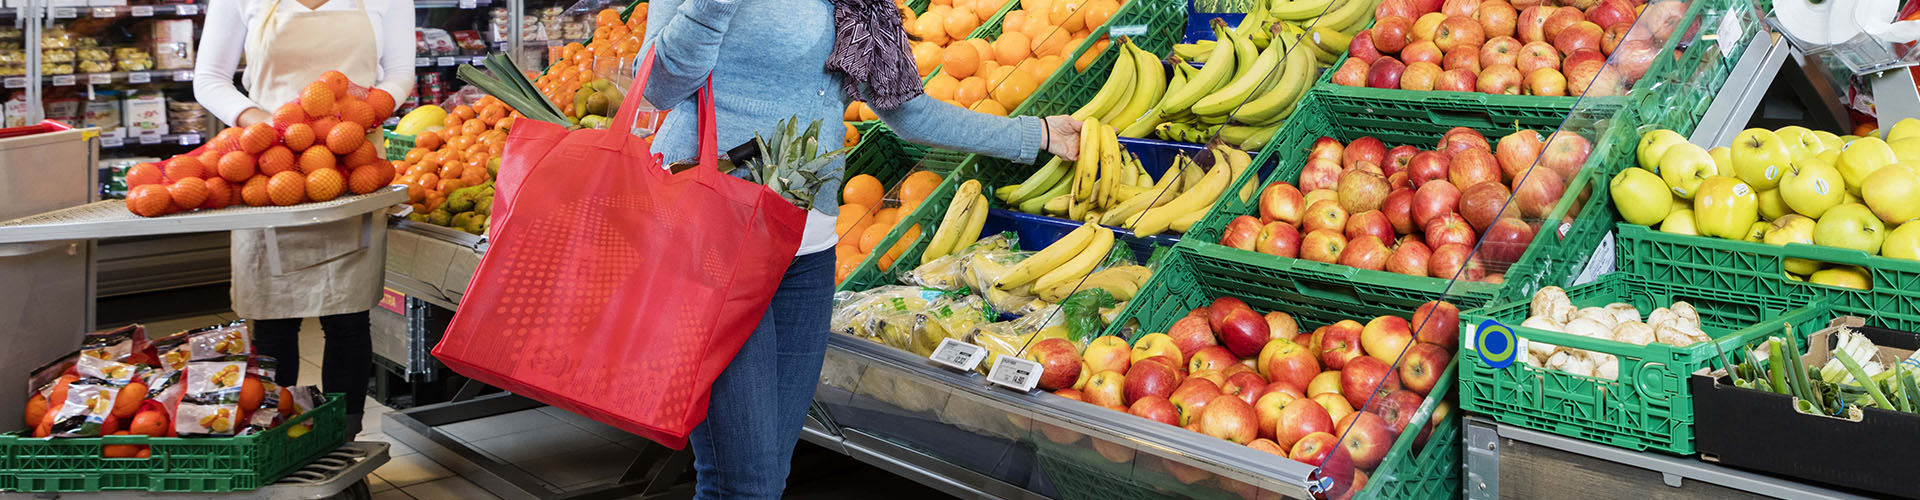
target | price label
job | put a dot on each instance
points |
(420, 62)
(183, 76)
(62, 80)
(188, 10)
(1730, 34)
(111, 142)
(17, 82)
(104, 12)
(189, 139)
(1128, 30)
(958, 355)
(65, 13)
(139, 77)
(142, 11)
(150, 139)
(99, 79)
(444, 61)
(1015, 373)
(468, 4)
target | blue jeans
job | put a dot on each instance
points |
(745, 448)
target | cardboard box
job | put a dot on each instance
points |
(1869, 449)
(432, 260)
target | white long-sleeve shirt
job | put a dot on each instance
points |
(224, 39)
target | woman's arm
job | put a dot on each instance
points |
(929, 121)
(221, 43)
(686, 42)
(396, 58)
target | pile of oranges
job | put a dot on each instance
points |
(865, 219)
(611, 52)
(314, 149)
(996, 76)
(464, 153)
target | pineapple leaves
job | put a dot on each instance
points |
(793, 164)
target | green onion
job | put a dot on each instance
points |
(1861, 375)
(1777, 366)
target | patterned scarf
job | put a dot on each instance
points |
(870, 47)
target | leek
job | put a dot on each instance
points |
(1873, 389)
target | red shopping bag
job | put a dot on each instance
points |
(615, 289)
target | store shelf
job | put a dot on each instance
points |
(448, 61)
(110, 218)
(159, 75)
(193, 139)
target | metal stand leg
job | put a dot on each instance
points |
(468, 391)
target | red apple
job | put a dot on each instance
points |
(1107, 389)
(1335, 403)
(1634, 57)
(1059, 363)
(1325, 214)
(1423, 366)
(1434, 199)
(1278, 238)
(1398, 181)
(1409, 258)
(1189, 335)
(1268, 446)
(1517, 152)
(1326, 148)
(1328, 382)
(1244, 332)
(1484, 203)
(1368, 223)
(1282, 202)
(1229, 418)
(1313, 448)
(1395, 8)
(1365, 252)
(1425, 25)
(1397, 409)
(1367, 440)
(1459, 139)
(1108, 352)
(1211, 358)
(1286, 363)
(1612, 13)
(1458, 31)
(1506, 240)
(1456, 80)
(1340, 345)
(1451, 261)
(1428, 166)
(1361, 191)
(1221, 307)
(1449, 229)
(1467, 58)
(1246, 385)
(1364, 149)
(1362, 49)
(1537, 55)
(1438, 323)
(1160, 344)
(1581, 35)
(1299, 418)
(1242, 232)
(1612, 36)
(1663, 17)
(1391, 34)
(1440, 413)
(1398, 158)
(1583, 56)
(1364, 376)
(1353, 73)
(1530, 26)
(1193, 397)
(1472, 167)
(1537, 192)
(1156, 408)
(1317, 195)
(1497, 19)
(1420, 76)
(1324, 245)
(1398, 208)
(1565, 153)
(1582, 76)
(1427, 6)
(1559, 21)
(1282, 326)
(1369, 167)
(1500, 51)
(1147, 380)
(1318, 174)
(1460, 8)
(1501, 80)
(1385, 337)
(1267, 409)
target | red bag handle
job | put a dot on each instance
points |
(630, 111)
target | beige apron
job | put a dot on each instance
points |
(324, 269)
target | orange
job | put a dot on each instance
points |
(1067, 14)
(1012, 48)
(493, 114)
(141, 174)
(149, 200)
(181, 167)
(465, 111)
(1042, 68)
(989, 106)
(1014, 90)
(336, 81)
(1038, 26)
(314, 159)
(852, 219)
(258, 137)
(1098, 11)
(275, 160)
(254, 192)
(862, 189)
(287, 188)
(961, 22)
(853, 136)
(148, 423)
(219, 194)
(872, 236)
(851, 114)
(931, 27)
(251, 393)
(1051, 43)
(971, 90)
(289, 114)
(323, 125)
(188, 193)
(324, 184)
(1035, 5)
(942, 86)
(415, 155)
(317, 99)
(428, 140)
(357, 112)
(959, 60)
(128, 400)
(237, 166)
(842, 253)
(472, 128)
(119, 450)
(886, 216)
(36, 408)
(918, 186)
(369, 178)
(985, 49)
(363, 155)
(926, 56)
(867, 114)
(299, 136)
(381, 102)
(346, 136)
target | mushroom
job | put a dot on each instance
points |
(1623, 312)
(1633, 332)
(1552, 303)
(1599, 315)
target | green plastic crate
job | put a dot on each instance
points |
(1893, 302)
(1649, 405)
(883, 155)
(927, 215)
(181, 465)
(1183, 282)
(397, 145)
(1554, 257)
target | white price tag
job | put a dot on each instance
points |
(1128, 30)
(419, 62)
(444, 61)
(65, 13)
(141, 11)
(99, 79)
(150, 139)
(104, 12)
(16, 82)
(183, 76)
(189, 139)
(1730, 34)
(63, 80)
(958, 355)
(468, 4)
(188, 10)
(139, 77)
(1015, 373)
(111, 142)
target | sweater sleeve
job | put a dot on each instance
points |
(221, 43)
(686, 45)
(396, 58)
(929, 121)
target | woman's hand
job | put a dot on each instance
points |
(1061, 136)
(252, 116)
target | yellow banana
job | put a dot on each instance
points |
(1245, 135)
(1150, 90)
(1058, 204)
(1084, 168)
(1120, 285)
(978, 221)
(1158, 219)
(1136, 274)
(1244, 53)
(1033, 204)
(1196, 51)
(1115, 92)
(1161, 193)
(1279, 102)
(1349, 16)
(1237, 92)
(1049, 258)
(1080, 265)
(1298, 10)
(1330, 40)
(1005, 193)
(1239, 161)
(1186, 222)
(953, 223)
(1209, 78)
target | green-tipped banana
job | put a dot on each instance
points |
(1035, 204)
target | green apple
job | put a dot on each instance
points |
(1851, 226)
(1722, 160)
(1905, 128)
(1771, 205)
(1759, 156)
(1800, 141)
(1828, 141)
(1679, 222)
(1893, 194)
(1684, 166)
(1725, 207)
(1640, 196)
(1843, 276)
(1906, 149)
(1793, 228)
(1812, 186)
(1758, 232)
(1903, 242)
(1653, 146)
(1862, 158)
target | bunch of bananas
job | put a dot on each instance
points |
(1068, 265)
(966, 216)
(1107, 185)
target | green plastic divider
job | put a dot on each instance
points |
(397, 145)
(1892, 302)
(178, 465)
(1648, 404)
(883, 155)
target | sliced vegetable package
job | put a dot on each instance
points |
(193, 419)
(215, 380)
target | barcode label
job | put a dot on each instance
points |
(958, 355)
(150, 139)
(445, 61)
(99, 79)
(103, 12)
(62, 80)
(1015, 373)
(139, 77)
(468, 4)
(422, 61)
(188, 10)
(142, 11)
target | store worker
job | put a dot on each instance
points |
(323, 271)
(772, 60)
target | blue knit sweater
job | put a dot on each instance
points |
(767, 58)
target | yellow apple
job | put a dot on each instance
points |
(1653, 146)
(1793, 228)
(1722, 160)
(1771, 205)
(1679, 222)
(1640, 196)
(1903, 242)
(1812, 186)
(1843, 276)
(1725, 207)
(1800, 140)
(1903, 129)
(1893, 194)
(1906, 149)
(1759, 156)
(1684, 166)
(1861, 159)
(1851, 226)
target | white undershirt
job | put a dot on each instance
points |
(819, 236)
(225, 37)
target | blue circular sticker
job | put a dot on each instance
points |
(1495, 344)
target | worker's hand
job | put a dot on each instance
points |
(1062, 136)
(252, 116)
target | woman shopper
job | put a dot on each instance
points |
(323, 271)
(771, 60)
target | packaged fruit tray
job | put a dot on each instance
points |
(1892, 299)
(1552, 258)
(1181, 284)
(181, 465)
(1647, 405)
